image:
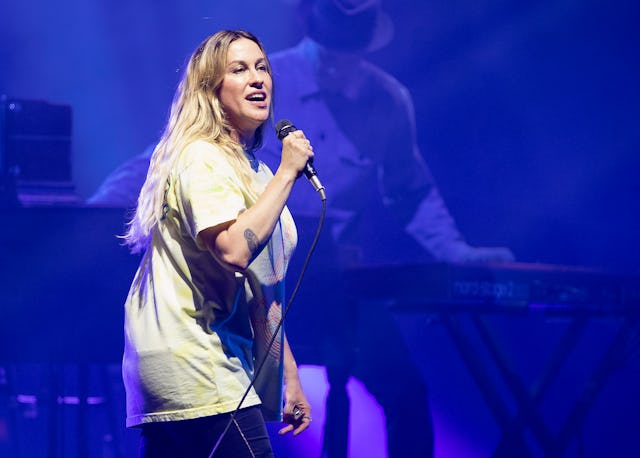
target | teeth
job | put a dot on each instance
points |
(256, 97)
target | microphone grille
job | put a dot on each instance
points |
(283, 128)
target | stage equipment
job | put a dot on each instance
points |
(35, 153)
(572, 297)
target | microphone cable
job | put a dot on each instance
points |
(279, 326)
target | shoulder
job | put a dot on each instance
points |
(286, 55)
(386, 82)
(202, 153)
(201, 150)
(291, 63)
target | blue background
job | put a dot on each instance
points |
(527, 111)
(528, 114)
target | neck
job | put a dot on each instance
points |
(336, 72)
(244, 138)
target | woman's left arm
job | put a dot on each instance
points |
(294, 397)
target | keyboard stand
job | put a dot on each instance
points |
(528, 399)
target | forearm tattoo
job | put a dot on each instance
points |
(252, 240)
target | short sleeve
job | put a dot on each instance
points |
(208, 191)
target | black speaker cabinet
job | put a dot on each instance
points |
(35, 152)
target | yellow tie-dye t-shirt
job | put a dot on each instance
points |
(193, 329)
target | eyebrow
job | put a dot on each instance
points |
(258, 61)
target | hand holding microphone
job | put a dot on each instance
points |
(283, 128)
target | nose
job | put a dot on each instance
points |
(257, 79)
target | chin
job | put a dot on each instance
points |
(262, 119)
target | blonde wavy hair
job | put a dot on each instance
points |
(196, 114)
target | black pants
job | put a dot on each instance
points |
(246, 437)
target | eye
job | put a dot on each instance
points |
(238, 69)
(262, 67)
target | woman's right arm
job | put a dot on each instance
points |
(237, 242)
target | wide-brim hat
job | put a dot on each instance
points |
(349, 25)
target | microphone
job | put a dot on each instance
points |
(283, 128)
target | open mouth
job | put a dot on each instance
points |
(257, 97)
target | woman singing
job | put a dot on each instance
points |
(209, 292)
